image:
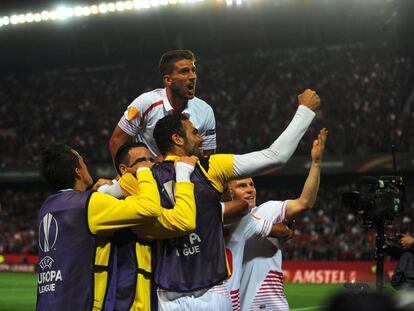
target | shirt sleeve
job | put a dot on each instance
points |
(113, 190)
(255, 226)
(249, 164)
(108, 213)
(209, 132)
(130, 120)
(219, 169)
(273, 211)
(179, 220)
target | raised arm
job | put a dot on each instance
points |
(307, 198)
(281, 150)
(118, 138)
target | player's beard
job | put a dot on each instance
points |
(181, 90)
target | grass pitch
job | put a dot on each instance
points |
(18, 293)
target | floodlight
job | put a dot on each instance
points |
(14, 19)
(37, 17)
(86, 11)
(6, 20)
(103, 8)
(120, 6)
(111, 7)
(94, 9)
(77, 11)
(137, 4)
(45, 15)
(29, 17)
(52, 15)
(146, 4)
(22, 19)
(128, 5)
(155, 3)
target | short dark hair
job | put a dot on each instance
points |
(58, 166)
(122, 156)
(168, 60)
(166, 127)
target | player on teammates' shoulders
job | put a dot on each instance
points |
(178, 72)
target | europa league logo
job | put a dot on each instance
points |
(48, 232)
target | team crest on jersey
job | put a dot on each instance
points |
(132, 113)
(46, 262)
(48, 232)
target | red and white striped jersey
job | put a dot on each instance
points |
(250, 227)
(142, 114)
(261, 285)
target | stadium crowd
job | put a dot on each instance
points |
(82, 106)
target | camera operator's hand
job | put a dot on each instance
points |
(406, 241)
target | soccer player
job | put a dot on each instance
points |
(179, 76)
(261, 284)
(250, 226)
(187, 269)
(74, 223)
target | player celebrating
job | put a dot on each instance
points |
(250, 226)
(179, 76)
(188, 268)
(261, 284)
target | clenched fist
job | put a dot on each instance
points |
(309, 99)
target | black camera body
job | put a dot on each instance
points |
(379, 200)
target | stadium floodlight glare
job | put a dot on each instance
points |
(111, 7)
(22, 19)
(45, 15)
(29, 17)
(128, 5)
(146, 4)
(37, 17)
(52, 15)
(120, 6)
(14, 19)
(94, 9)
(6, 20)
(155, 3)
(86, 11)
(65, 12)
(77, 11)
(103, 8)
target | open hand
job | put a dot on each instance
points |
(318, 146)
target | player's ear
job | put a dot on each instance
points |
(167, 80)
(123, 168)
(177, 139)
(78, 174)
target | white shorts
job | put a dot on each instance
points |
(201, 300)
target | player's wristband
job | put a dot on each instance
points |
(183, 172)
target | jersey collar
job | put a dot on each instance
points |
(167, 104)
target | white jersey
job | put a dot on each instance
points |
(236, 235)
(261, 284)
(142, 114)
